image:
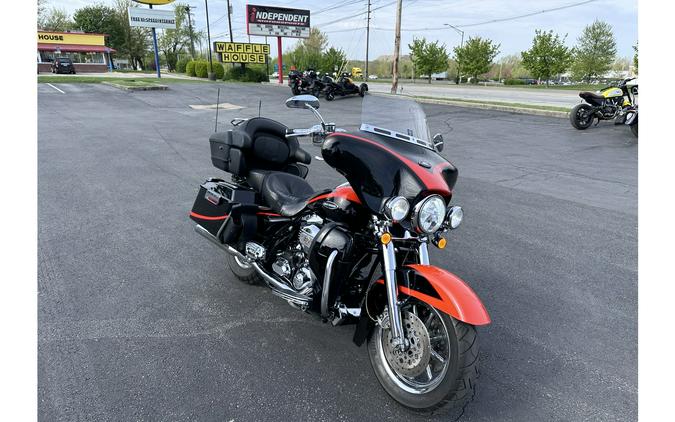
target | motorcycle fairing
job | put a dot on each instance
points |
(446, 292)
(378, 167)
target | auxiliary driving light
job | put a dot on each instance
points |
(397, 208)
(455, 216)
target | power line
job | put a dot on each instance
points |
(555, 9)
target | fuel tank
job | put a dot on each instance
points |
(378, 167)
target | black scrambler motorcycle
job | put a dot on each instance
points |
(611, 102)
(357, 253)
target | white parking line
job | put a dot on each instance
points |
(56, 88)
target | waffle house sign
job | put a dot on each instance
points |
(239, 52)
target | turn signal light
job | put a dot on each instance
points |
(385, 238)
(440, 243)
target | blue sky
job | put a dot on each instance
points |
(349, 33)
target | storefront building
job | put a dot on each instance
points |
(88, 52)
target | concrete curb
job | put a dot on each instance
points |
(487, 106)
(136, 88)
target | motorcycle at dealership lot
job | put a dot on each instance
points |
(344, 86)
(357, 253)
(608, 103)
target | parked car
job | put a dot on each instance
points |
(372, 76)
(275, 74)
(63, 65)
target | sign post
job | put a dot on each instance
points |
(155, 19)
(280, 61)
(270, 21)
(154, 43)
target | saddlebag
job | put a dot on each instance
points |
(224, 209)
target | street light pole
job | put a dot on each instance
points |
(192, 37)
(461, 45)
(212, 75)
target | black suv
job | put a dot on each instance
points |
(63, 65)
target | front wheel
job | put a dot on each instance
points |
(634, 129)
(440, 367)
(330, 96)
(581, 116)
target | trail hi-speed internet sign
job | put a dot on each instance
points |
(269, 21)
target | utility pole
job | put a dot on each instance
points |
(212, 75)
(461, 45)
(367, 39)
(192, 37)
(229, 19)
(397, 46)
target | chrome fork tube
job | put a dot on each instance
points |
(423, 253)
(389, 258)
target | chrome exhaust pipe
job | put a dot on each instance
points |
(276, 286)
(281, 289)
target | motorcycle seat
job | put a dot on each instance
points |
(590, 94)
(285, 193)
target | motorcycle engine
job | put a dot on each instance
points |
(292, 265)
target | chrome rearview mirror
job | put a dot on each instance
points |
(302, 101)
(438, 142)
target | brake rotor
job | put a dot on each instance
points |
(413, 361)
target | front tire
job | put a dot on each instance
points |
(581, 117)
(330, 96)
(241, 270)
(634, 129)
(450, 371)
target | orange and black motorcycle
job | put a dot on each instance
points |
(357, 253)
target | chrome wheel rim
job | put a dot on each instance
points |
(439, 353)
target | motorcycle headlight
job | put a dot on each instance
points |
(397, 208)
(455, 216)
(429, 214)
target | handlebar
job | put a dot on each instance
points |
(317, 132)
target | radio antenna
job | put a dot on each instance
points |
(217, 106)
(259, 106)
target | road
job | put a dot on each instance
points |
(140, 319)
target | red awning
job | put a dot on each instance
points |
(76, 48)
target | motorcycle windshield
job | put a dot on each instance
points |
(396, 117)
(391, 154)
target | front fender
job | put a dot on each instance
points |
(447, 293)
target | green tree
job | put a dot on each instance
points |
(307, 54)
(102, 20)
(548, 55)
(135, 41)
(428, 57)
(476, 56)
(333, 60)
(41, 13)
(56, 20)
(595, 51)
(175, 41)
(635, 58)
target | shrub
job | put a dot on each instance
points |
(514, 82)
(190, 68)
(247, 74)
(181, 65)
(218, 70)
(202, 69)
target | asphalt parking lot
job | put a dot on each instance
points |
(140, 319)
